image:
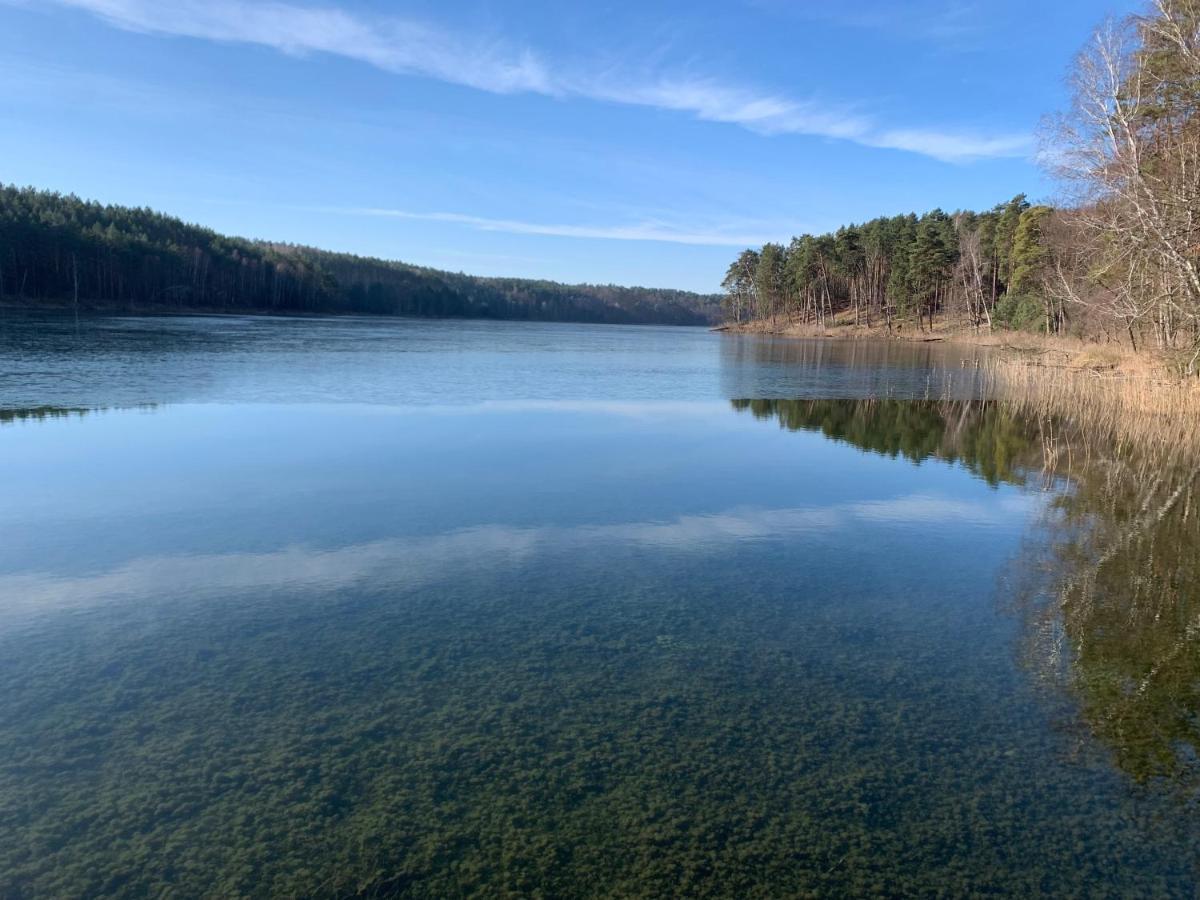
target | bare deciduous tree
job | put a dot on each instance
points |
(1130, 149)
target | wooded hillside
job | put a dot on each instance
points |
(60, 250)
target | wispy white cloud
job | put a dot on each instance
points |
(639, 231)
(392, 44)
(953, 147)
(712, 101)
(409, 47)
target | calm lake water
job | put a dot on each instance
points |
(339, 607)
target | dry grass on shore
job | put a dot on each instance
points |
(1105, 390)
(1148, 410)
(1035, 349)
(1071, 353)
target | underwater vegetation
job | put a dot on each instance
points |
(542, 736)
(801, 713)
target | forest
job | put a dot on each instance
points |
(1116, 259)
(59, 250)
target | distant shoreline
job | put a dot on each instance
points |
(120, 309)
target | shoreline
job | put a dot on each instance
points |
(101, 309)
(1140, 399)
(1068, 353)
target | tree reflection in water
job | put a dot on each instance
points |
(1107, 586)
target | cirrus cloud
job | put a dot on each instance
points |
(409, 47)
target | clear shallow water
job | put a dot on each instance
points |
(558, 618)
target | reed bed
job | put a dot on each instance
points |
(1144, 411)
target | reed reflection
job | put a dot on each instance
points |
(1107, 587)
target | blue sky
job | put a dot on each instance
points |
(634, 143)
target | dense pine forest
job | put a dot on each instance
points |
(1117, 259)
(974, 266)
(61, 250)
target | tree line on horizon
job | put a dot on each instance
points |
(58, 250)
(1119, 259)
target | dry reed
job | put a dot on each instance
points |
(1147, 412)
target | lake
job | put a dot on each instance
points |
(334, 607)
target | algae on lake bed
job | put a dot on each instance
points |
(812, 691)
